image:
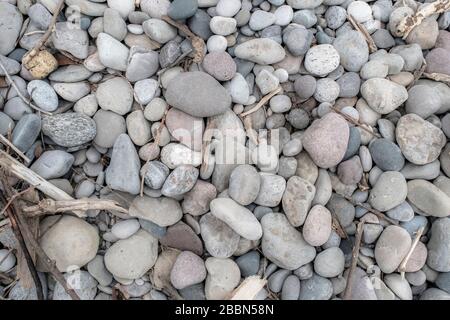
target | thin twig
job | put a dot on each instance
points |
(8, 143)
(261, 102)
(28, 102)
(248, 289)
(37, 47)
(359, 27)
(355, 255)
(355, 122)
(4, 222)
(53, 207)
(13, 197)
(372, 210)
(402, 267)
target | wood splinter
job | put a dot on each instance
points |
(402, 267)
(355, 256)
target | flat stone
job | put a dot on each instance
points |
(329, 263)
(237, 217)
(71, 242)
(43, 95)
(196, 201)
(10, 28)
(112, 53)
(131, 258)
(123, 171)
(420, 141)
(297, 200)
(271, 190)
(386, 155)
(180, 236)
(391, 248)
(188, 269)
(109, 126)
(352, 49)
(316, 288)
(69, 129)
(73, 40)
(428, 198)
(26, 131)
(262, 51)
(181, 180)
(389, 191)
(317, 227)
(322, 59)
(115, 95)
(223, 277)
(185, 128)
(283, 244)
(382, 95)
(244, 184)
(53, 164)
(219, 239)
(162, 211)
(197, 94)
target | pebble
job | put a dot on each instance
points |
(220, 65)
(389, 191)
(321, 60)
(263, 51)
(222, 26)
(8, 260)
(271, 190)
(329, 263)
(237, 217)
(317, 226)
(96, 268)
(283, 244)
(382, 95)
(131, 258)
(197, 94)
(122, 173)
(26, 131)
(391, 248)
(53, 164)
(219, 239)
(316, 288)
(11, 25)
(109, 126)
(386, 155)
(428, 198)
(297, 200)
(316, 140)
(43, 95)
(74, 41)
(188, 269)
(69, 129)
(180, 180)
(125, 229)
(298, 39)
(84, 284)
(71, 242)
(223, 277)
(115, 95)
(249, 263)
(352, 49)
(399, 286)
(182, 9)
(420, 141)
(162, 211)
(182, 237)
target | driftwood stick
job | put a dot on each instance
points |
(445, 78)
(4, 222)
(13, 84)
(359, 27)
(427, 10)
(37, 47)
(54, 207)
(402, 267)
(248, 289)
(355, 255)
(261, 102)
(18, 230)
(8, 143)
(14, 167)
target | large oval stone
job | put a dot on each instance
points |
(428, 198)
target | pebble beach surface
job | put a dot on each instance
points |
(263, 138)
